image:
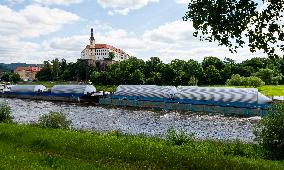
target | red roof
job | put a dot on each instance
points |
(32, 69)
(103, 46)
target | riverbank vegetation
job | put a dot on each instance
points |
(211, 71)
(50, 144)
(26, 147)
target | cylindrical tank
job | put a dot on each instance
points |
(245, 95)
(76, 89)
(146, 91)
(27, 88)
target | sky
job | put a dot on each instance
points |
(34, 31)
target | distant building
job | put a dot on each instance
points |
(27, 73)
(100, 54)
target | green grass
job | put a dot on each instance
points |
(26, 147)
(272, 90)
(268, 90)
(49, 84)
(109, 88)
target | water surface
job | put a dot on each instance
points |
(137, 121)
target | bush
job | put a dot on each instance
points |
(5, 113)
(54, 120)
(179, 138)
(254, 81)
(193, 81)
(269, 131)
(237, 80)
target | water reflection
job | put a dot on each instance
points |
(137, 121)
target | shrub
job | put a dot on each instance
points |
(237, 80)
(254, 81)
(5, 113)
(269, 131)
(179, 138)
(54, 120)
(193, 81)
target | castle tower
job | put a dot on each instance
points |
(92, 39)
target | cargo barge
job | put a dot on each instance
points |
(227, 101)
(216, 100)
(65, 93)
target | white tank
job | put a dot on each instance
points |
(246, 95)
(146, 91)
(27, 88)
(77, 89)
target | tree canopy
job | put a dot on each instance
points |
(234, 23)
(211, 71)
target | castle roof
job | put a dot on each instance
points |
(106, 46)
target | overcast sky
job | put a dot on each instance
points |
(36, 30)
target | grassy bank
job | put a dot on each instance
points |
(272, 90)
(49, 84)
(26, 147)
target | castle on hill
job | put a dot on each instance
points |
(102, 54)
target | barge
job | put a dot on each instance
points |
(227, 101)
(216, 100)
(65, 93)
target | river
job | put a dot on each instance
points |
(152, 123)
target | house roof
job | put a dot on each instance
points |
(32, 69)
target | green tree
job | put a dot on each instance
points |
(6, 76)
(269, 131)
(212, 61)
(167, 74)
(55, 69)
(268, 76)
(111, 55)
(15, 77)
(153, 65)
(193, 68)
(228, 21)
(154, 78)
(212, 75)
(11, 77)
(45, 73)
(137, 77)
(256, 63)
(245, 71)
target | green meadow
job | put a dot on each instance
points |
(29, 147)
(272, 90)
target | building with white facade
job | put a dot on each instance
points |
(101, 52)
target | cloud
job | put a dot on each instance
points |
(58, 2)
(46, 2)
(182, 1)
(18, 28)
(177, 31)
(172, 40)
(12, 49)
(33, 21)
(123, 7)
